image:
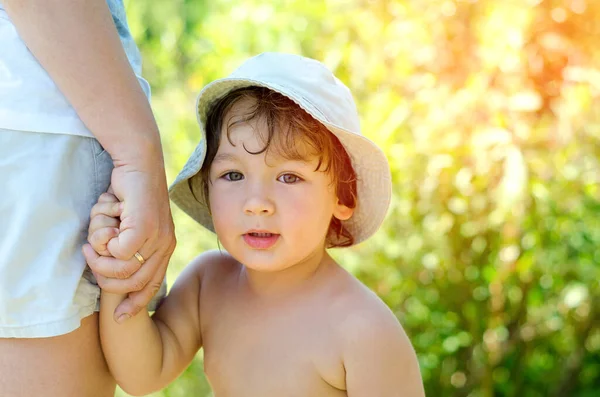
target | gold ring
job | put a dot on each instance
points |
(139, 257)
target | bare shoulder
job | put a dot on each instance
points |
(367, 317)
(362, 310)
(377, 352)
(213, 264)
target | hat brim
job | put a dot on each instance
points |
(369, 163)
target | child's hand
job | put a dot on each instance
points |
(104, 223)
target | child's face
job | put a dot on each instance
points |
(269, 212)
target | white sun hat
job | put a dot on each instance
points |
(312, 86)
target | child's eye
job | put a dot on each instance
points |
(289, 178)
(233, 176)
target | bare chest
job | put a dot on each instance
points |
(254, 351)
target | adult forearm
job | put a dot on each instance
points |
(133, 349)
(77, 44)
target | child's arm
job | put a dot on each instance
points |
(144, 354)
(379, 358)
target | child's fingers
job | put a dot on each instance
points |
(102, 221)
(108, 197)
(108, 208)
(100, 238)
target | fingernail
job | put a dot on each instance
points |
(117, 231)
(121, 206)
(123, 317)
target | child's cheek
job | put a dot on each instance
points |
(300, 208)
(220, 206)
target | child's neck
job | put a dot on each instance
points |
(291, 279)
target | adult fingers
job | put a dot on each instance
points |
(138, 301)
(90, 255)
(137, 234)
(117, 272)
(110, 274)
(146, 223)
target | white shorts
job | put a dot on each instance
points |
(48, 185)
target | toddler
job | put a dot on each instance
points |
(281, 174)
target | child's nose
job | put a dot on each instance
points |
(259, 205)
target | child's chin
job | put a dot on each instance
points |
(261, 262)
(264, 267)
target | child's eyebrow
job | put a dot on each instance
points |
(224, 157)
(301, 162)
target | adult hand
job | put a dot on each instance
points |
(146, 228)
(96, 77)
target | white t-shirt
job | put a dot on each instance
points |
(29, 99)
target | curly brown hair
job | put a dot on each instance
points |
(287, 122)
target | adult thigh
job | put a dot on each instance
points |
(65, 365)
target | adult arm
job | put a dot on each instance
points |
(77, 44)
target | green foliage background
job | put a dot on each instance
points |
(489, 114)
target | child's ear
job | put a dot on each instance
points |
(341, 212)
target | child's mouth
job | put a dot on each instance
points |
(261, 240)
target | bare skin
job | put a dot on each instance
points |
(295, 344)
(66, 365)
(77, 43)
(289, 321)
(308, 342)
(317, 331)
